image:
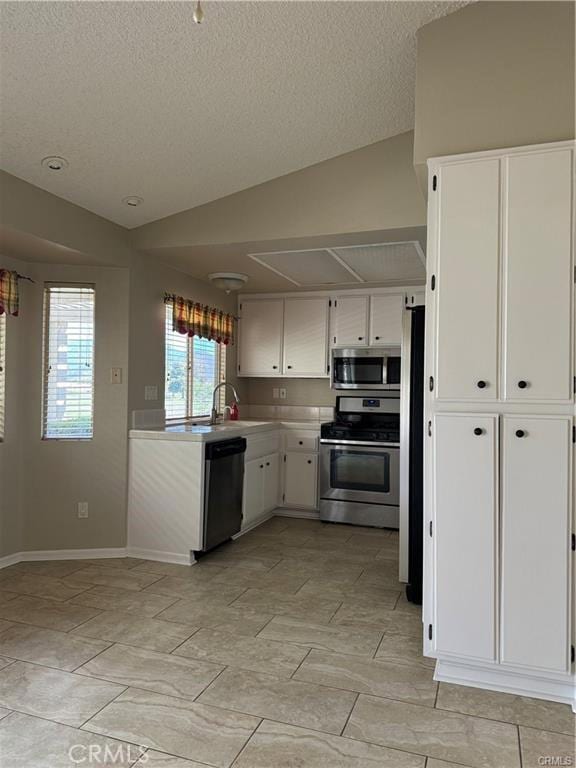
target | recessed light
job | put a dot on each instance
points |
(132, 201)
(55, 163)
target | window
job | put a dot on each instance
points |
(2, 373)
(193, 368)
(68, 396)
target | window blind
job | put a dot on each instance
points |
(193, 368)
(68, 396)
(2, 373)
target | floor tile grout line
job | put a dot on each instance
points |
(124, 689)
(519, 746)
(349, 714)
(291, 677)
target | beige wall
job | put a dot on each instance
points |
(149, 280)
(58, 474)
(11, 523)
(495, 74)
(373, 188)
(298, 392)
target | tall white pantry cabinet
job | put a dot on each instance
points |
(499, 433)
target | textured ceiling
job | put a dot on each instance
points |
(142, 101)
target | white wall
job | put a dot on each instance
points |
(11, 522)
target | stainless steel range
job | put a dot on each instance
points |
(360, 461)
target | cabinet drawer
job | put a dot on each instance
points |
(298, 441)
(262, 446)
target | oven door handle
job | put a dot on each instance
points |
(365, 443)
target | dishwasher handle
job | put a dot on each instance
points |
(224, 448)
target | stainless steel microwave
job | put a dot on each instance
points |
(365, 368)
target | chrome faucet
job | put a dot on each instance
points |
(214, 414)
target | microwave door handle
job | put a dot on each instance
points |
(384, 369)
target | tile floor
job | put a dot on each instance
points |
(293, 647)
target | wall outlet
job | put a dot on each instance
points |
(275, 393)
(82, 509)
(151, 392)
(282, 393)
(115, 375)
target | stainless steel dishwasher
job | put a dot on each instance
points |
(223, 487)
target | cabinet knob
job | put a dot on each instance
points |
(274, 366)
(520, 433)
(309, 461)
(478, 430)
(300, 442)
(288, 366)
(377, 338)
(360, 338)
(522, 384)
(267, 463)
(261, 466)
(481, 384)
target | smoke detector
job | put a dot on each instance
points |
(55, 163)
(133, 201)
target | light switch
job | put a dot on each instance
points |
(275, 393)
(282, 394)
(151, 392)
(82, 509)
(115, 375)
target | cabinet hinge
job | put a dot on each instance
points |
(328, 368)
(429, 429)
(284, 458)
(433, 283)
(575, 274)
(240, 306)
(574, 542)
(574, 434)
(429, 631)
(335, 302)
(434, 183)
(329, 302)
(334, 339)
(572, 654)
(239, 367)
(283, 497)
(574, 384)
(430, 527)
(431, 383)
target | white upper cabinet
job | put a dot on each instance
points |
(260, 332)
(464, 535)
(536, 542)
(350, 321)
(305, 336)
(386, 319)
(537, 276)
(467, 243)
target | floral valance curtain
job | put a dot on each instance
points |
(193, 319)
(9, 300)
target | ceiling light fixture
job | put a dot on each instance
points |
(228, 281)
(132, 201)
(55, 163)
(198, 14)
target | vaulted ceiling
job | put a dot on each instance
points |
(141, 101)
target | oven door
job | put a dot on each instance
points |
(362, 472)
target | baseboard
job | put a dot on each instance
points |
(306, 514)
(561, 689)
(162, 557)
(254, 524)
(62, 554)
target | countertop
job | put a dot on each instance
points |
(209, 432)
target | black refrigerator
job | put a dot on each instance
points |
(414, 413)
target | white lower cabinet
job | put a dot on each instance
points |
(501, 540)
(464, 535)
(301, 480)
(261, 477)
(536, 542)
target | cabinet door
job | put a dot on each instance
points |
(535, 542)
(464, 535)
(300, 480)
(467, 241)
(538, 276)
(386, 319)
(305, 337)
(350, 321)
(260, 334)
(253, 498)
(271, 481)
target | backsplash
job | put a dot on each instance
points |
(306, 392)
(287, 412)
